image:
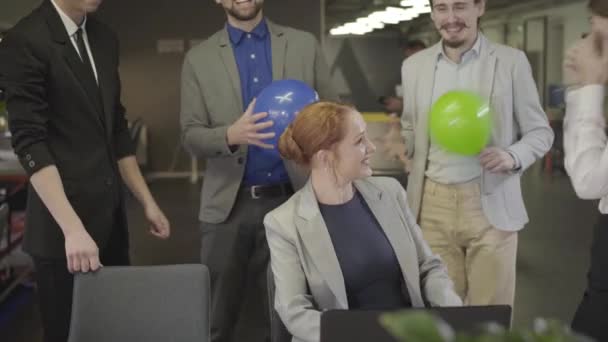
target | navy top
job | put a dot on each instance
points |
(372, 276)
(254, 61)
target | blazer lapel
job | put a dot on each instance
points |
(86, 81)
(82, 75)
(487, 74)
(426, 83)
(227, 57)
(385, 213)
(317, 241)
(278, 44)
(488, 69)
(102, 57)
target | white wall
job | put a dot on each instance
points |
(574, 17)
(495, 33)
(565, 25)
(556, 46)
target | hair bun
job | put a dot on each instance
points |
(289, 148)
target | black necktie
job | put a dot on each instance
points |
(84, 55)
(92, 81)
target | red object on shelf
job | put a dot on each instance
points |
(17, 179)
(17, 222)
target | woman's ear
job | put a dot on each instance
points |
(323, 158)
(322, 155)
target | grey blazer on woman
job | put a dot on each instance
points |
(306, 270)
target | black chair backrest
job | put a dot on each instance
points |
(141, 303)
(135, 130)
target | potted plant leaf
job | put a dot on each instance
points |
(425, 327)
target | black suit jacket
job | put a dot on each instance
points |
(58, 115)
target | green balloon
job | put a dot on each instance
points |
(460, 122)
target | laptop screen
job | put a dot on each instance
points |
(364, 326)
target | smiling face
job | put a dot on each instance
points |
(457, 20)
(331, 138)
(350, 156)
(242, 10)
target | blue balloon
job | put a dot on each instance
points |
(282, 100)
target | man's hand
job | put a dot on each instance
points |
(393, 104)
(245, 130)
(586, 62)
(496, 160)
(159, 225)
(81, 251)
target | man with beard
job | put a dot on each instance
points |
(470, 208)
(220, 79)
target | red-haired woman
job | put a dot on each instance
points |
(346, 240)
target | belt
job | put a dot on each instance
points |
(266, 191)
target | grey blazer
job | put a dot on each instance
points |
(506, 81)
(306, 270)
(211, 101)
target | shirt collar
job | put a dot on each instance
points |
(69, 24)
(236, 34)
(476, 49)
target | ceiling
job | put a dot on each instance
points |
(340, 11)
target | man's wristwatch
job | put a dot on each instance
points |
(516, 162)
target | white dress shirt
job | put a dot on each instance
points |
(585, 144)
(71, 27)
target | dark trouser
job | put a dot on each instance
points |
(55, 284)
(591, 318)
(237, 255)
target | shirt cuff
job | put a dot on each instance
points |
(517, 165)
(124, 146)
(590, 103)
(35, 157)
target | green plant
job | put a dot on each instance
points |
(425, 327)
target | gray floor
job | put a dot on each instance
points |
(552, 263)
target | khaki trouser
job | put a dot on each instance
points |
(480, 258)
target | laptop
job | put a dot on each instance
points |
(364, 326)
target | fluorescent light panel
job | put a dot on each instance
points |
(378, 19)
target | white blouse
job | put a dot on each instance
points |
(586, 152)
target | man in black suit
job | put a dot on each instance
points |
(59, 67)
